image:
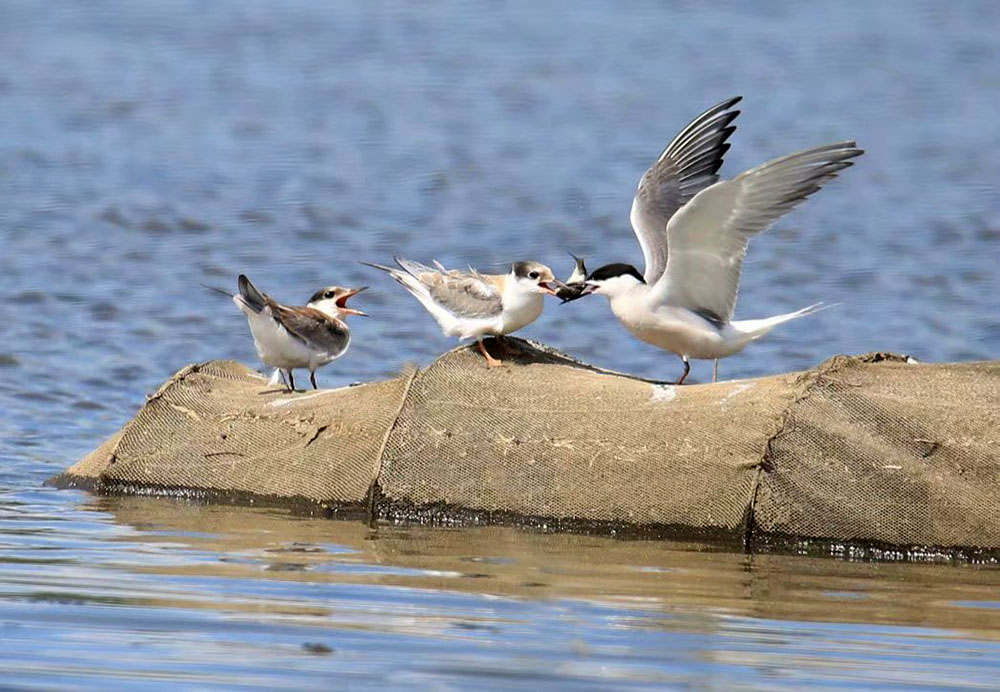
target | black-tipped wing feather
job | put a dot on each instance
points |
(708, 237)
(254, 299)
(689, 164)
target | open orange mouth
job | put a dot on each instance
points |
(342, 302)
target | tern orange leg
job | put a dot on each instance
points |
(491, 362)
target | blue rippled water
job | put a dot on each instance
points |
(147, 148)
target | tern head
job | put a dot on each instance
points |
(333, 301)
(612, 280)
(533, 277)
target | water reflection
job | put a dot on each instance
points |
(520, 564)
(215, 594)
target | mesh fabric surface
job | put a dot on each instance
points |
(221, 427)
(868, 448)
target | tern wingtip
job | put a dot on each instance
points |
(376, 266)
(218, 290)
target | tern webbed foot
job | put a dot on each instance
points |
(491, 362)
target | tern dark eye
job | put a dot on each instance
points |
(533, 275)
(328, 294)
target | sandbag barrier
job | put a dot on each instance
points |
(871, 450)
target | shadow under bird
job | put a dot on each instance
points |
(290, 337)
(694, 231)
(471, 305)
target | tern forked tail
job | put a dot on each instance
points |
(751, 330)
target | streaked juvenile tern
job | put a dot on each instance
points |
(471, 305)
(684, 300)
(290, 337)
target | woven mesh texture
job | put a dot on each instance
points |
(550, 437)
(868, 448)
(891, 452)
(221, 427)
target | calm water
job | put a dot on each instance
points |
(149, 147)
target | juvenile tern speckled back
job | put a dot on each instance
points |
(290, 337)
(694, 232)
(468, 304)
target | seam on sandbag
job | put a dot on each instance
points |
(748, 521)
(180, 376)
(374, 490)
(175, 379)
(811, 379)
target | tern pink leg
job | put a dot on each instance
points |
(491, 362)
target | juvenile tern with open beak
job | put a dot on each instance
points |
(694, 232)
(471, 305)
(290, 337)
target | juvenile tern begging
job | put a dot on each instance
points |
(290, 337)
(471, 305)
(694, 231)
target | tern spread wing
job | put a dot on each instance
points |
(689, 164)
(708, 237)
(314, 328)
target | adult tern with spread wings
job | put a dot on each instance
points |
(694, 232)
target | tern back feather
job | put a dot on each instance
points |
(708, 237)
(467, 296)
(449, 295)
(314, 328)
(689, 164)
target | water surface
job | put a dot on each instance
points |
(146, 148)
(169, 591)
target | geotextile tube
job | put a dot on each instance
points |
(869, 449)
